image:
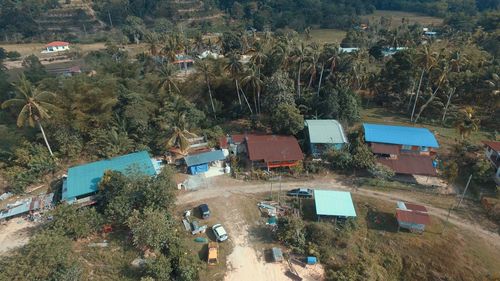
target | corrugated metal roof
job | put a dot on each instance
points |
(409, 216)
(203, 158)
(272, 148)
(495, 145)
(57, 44)
(325, 131)
(31, 204)
(415, 207)
(334, 203)
(84, 179)
(399, 135)
(410, 164)
(382, 148)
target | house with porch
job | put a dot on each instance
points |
(406, 150)
(492, 152)
(324, 135)
(273, 151)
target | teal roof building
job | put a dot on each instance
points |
(83, 181)
(333, 203)
(324, 134)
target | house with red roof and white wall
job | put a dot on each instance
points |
(492, 152)
(56, 46)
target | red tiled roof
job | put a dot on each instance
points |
(412, 217)
(415, 207)
(410, 164)
(495, 145)
(272, 148)
(57, 44)
(223, 142)
(383, 148)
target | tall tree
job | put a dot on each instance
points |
(167, 80)
(299, 54)
(427, 60)
(35, 106)
(205, 68)
(252, 79)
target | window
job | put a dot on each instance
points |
(406, 147)
(424, 148)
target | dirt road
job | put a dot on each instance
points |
(230, 186)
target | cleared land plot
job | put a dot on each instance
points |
(397, 17)
(36, 48)
(326, 35)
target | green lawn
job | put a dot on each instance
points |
(397, 17)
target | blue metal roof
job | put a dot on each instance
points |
(333, 203)
(84, 179)
(203, 158)
(399, 135)
(30, 204)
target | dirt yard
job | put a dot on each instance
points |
(14, 233)
(245, 256)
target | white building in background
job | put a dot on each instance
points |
(56, 46)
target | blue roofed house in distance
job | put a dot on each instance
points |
(83, 181)
(406, 150)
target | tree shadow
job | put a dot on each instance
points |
(262, 233)
(203, 252)
(383, 221)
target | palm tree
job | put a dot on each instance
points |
(313, 61)
(235, 69)
(442, 79)
(252, 79)
(298, 55)
(167, 73)
(153, 40)
(467, 122)
(427, 60)
(180, 135)
(35, 106)
(206, 69)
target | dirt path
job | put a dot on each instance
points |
(244, 263)
(230, 186)
(14, 234)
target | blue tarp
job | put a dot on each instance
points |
(198, 169)
(400, 135)
(84, 179)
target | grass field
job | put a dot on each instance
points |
(397, 17)
(36, 48)
(326, 35)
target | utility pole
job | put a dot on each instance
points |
(465, 190)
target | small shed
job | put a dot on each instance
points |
(336, 204)
(198, 163)
(412, 216)
(56, 46)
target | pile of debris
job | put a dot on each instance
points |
(192, 225)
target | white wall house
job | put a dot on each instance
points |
(56, 46)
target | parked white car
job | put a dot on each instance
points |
(219, 232)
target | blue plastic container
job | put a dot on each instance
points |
(311, 260)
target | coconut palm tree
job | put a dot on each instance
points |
(167, 81)
(313, 62)
(235, 69)
(299, 54)
(206, 69)
(427, 60)
(180, 135)
(35, 106)
(467, 122)
(252, 78)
